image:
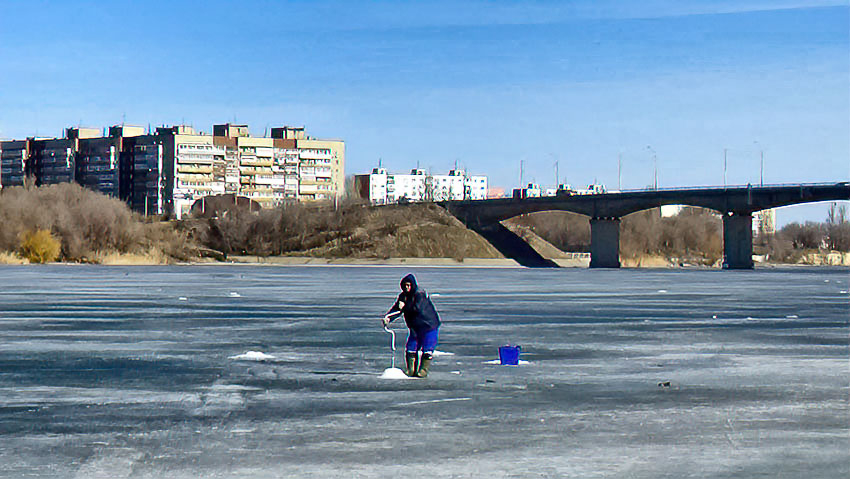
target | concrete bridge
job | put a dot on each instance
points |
(735, 203)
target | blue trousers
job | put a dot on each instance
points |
(424, 340)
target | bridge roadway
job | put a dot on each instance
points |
(735, 203)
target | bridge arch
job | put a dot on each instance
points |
(736, 204)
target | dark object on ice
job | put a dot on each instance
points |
(665, 384)
(509, 355)
(424, 365)
(411, 358)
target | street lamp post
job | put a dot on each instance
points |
(620, 171)
(654, 167)
(761, 161)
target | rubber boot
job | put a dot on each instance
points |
(425, 365)
(411, 363)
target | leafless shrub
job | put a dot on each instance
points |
(40, 246)
(837, 229)
(85, 222)
(809, 235)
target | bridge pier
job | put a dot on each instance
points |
(738, 241)
(605, 242)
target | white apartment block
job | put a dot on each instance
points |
(380, 187)
(764, 222)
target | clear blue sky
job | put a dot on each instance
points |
(483, 83)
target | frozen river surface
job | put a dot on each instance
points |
(135, 372)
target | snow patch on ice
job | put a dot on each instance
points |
(662, 290)
(443, 353)
(253, 356)
(182, 298)
(234, 294)
(394, 373)
(498, 361)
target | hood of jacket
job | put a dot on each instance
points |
(409, 279)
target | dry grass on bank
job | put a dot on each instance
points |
(11, 258)
(351, 230)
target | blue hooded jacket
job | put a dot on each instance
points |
(419, 312)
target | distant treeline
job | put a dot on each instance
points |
(66, 222)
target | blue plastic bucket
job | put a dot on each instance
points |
(509, 355)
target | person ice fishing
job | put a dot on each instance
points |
(423, 322)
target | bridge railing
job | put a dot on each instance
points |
(689, 188)
(731, 187)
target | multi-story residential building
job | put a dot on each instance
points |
(531, 191)
(142, 162)
(53, 160)
(320, 170)
(446, 187)
(379, 187)
(98, 160)
(373, 187)
(192, 168)
(14, 155)
(167, 172)
(256, 176)
(764, 222)
(412, 187)
(286, 163)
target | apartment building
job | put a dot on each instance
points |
(764, 222)
(193, 167)
(379, 187)
(14, 155)
(167, 172)
(142, 159)
(97, 159)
